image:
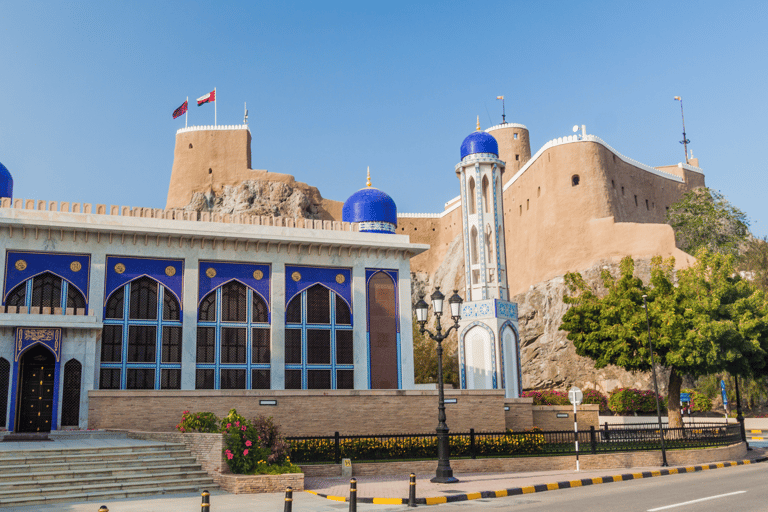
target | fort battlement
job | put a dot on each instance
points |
(171, 214)
(212, 127)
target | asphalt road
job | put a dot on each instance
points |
(740, 488)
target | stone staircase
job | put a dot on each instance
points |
(54, 475)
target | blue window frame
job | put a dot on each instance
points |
(46, 290)
(318, 341)
(233, 342)
(141, 340)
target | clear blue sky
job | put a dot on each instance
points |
(88, 89)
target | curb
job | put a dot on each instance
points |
(516, 491)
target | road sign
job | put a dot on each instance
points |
(575, 396)
(685, 398)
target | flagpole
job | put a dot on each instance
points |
(186, 114)
(215, 102)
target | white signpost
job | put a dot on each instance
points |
(575, 396)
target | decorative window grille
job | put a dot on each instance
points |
(70, 400)
(46, 291)
(233, 343)
(5, 374)
(318, 341)
(141, 339)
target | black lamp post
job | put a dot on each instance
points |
(444, 473)
(655, 386)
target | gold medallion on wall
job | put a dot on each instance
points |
(210, 272)
(258, 275)
(119, 268)
(170, 271)
(296, 276)
(20, 265)
(340, 278)
(75, 266)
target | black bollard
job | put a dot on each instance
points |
(412, 492)
(103, 508)
(206, 505)
(353, 495)
(288, 499)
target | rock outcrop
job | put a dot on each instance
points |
(256, 197)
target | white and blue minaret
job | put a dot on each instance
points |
(373, 210)
(489, 352)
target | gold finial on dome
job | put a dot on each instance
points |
(478, 123)
(368, 183)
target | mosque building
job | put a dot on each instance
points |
(111, 310)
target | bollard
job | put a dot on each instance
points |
(103, 508)
(288, 499)
(353, 495)
(412, 492)
(206, 505)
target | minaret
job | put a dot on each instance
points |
(489, 355)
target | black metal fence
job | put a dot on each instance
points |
(614, 438)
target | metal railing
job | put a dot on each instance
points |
(621, 438)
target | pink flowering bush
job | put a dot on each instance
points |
(255, 447)
(593, 396)
(198, 422)
(548, 397)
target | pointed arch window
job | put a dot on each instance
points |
(486, 195)
(471, 194)
(141, 339)
(318, 341)
(233, 342)
(475, 249)
(46, 290)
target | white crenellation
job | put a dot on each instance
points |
(211, 127)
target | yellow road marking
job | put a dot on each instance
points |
(575, 483)
(501, 494)
(529, 489)
(597, 480)
(436, 500)
(311, 492)
(552, 487)
(637, 475)
(337, 498)
(656, 473)
(673, 471)
(387, 501)
(617, 478)
(474, 496)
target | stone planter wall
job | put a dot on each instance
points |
(254, 484)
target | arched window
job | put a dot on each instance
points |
(471, 194)
(5, 374)
(46, 290)
(382, 331)
(70, 397)
(475, 249)
(486, 197)
(233, 347)
(318, 341)
(141, 339)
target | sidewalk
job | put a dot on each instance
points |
(368, 487)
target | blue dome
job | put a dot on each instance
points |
(6, 182)
(479, 142)
(373, 209)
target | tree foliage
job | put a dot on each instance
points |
(710, 320)
(754, 262)
(703, 218)
(425, 358)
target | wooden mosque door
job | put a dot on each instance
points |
(36, 400)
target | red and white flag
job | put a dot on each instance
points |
(208, 98)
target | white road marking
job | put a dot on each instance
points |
(695, 501)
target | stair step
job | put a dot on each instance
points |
(50, 476)
(116, 485)
(101, 495)
(69, 480)
(47, 452)
(60, 466)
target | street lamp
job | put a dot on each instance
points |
(444, 473)
(655, 386)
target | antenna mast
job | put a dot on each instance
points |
(685, 140)
(503, 110)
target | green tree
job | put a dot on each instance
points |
(711, 320)
(425, 358)
(703, 218)
(754, 262)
